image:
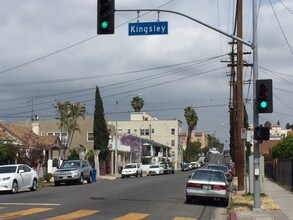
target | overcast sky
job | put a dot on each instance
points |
(50, 50)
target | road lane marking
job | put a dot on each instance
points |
(132, 216)
(74, 215)
(183, 218)
(25, 212)
(31, 204)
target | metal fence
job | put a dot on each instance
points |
(280, 171)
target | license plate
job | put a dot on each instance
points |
(206, 187)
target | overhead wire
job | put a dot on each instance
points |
(70, 46)
(280, 26)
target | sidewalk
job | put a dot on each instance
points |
(281, 196)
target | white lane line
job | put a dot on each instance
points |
(34, 204)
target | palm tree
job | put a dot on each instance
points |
(69, 112)
(137, 103)
(191, 120)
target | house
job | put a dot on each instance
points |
(25, 138)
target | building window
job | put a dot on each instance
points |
(172, 143)
(50, 134)
(147, 131)
(90, 137)
(141, 131)
(42, 133)
(173, 131)
(129, 131)
(153, 131)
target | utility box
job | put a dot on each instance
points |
(260, 172)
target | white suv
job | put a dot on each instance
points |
(131, 169)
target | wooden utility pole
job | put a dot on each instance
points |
(239, 148)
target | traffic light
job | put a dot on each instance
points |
(264, 96)
(106, 12)
(261, 133)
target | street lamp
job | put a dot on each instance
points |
(116, 129)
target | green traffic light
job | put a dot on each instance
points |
(105, 24)
(264, 104)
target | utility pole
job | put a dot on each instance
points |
(240, 116)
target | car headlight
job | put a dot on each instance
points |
(5, 178)
(75, 172)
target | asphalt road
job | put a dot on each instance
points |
(150, 197)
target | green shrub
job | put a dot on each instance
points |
(48, 177)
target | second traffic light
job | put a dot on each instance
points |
(264, 96)
(106, 16)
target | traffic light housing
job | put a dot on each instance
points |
(264, 96)
(106, 16)
(261, 133)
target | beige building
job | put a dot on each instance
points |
(195, 137)
(165, 132)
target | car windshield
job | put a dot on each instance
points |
(130, 166)
(222, 168)
(8, 169)
(70, 164)
(208, 175)
(154, 166)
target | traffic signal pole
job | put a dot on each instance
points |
(193, 19)
(256, 154)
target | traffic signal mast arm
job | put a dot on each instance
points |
(193, 19)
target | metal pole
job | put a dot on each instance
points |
(256, 167)
(139, 145)
(193, 19)
(244, 166)
(116, 140)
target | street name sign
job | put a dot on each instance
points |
(148, 28)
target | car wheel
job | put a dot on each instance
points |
(226, 202)
(188, 199)
(141, 174)
(136, 175)
(81, 179)
(56, 183)
(90, 180)
(15, 187)
(34, 185)
(122, 176)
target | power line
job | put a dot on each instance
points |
(284, 35)
(68, 47)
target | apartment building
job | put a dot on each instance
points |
(200, 137)
(146, 126)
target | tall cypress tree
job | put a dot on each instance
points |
(101, 134)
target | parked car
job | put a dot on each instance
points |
(185, 167)
(131, 169)
(170, 168)
(206, 183)
(156, 169)
(207, 158)
(195, 165)
(17, 176)
(73, 171)
(223, 168)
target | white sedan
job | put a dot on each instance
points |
(155, 170)
(17, 176)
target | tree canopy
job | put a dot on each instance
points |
(137, 103)
(284, 149)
